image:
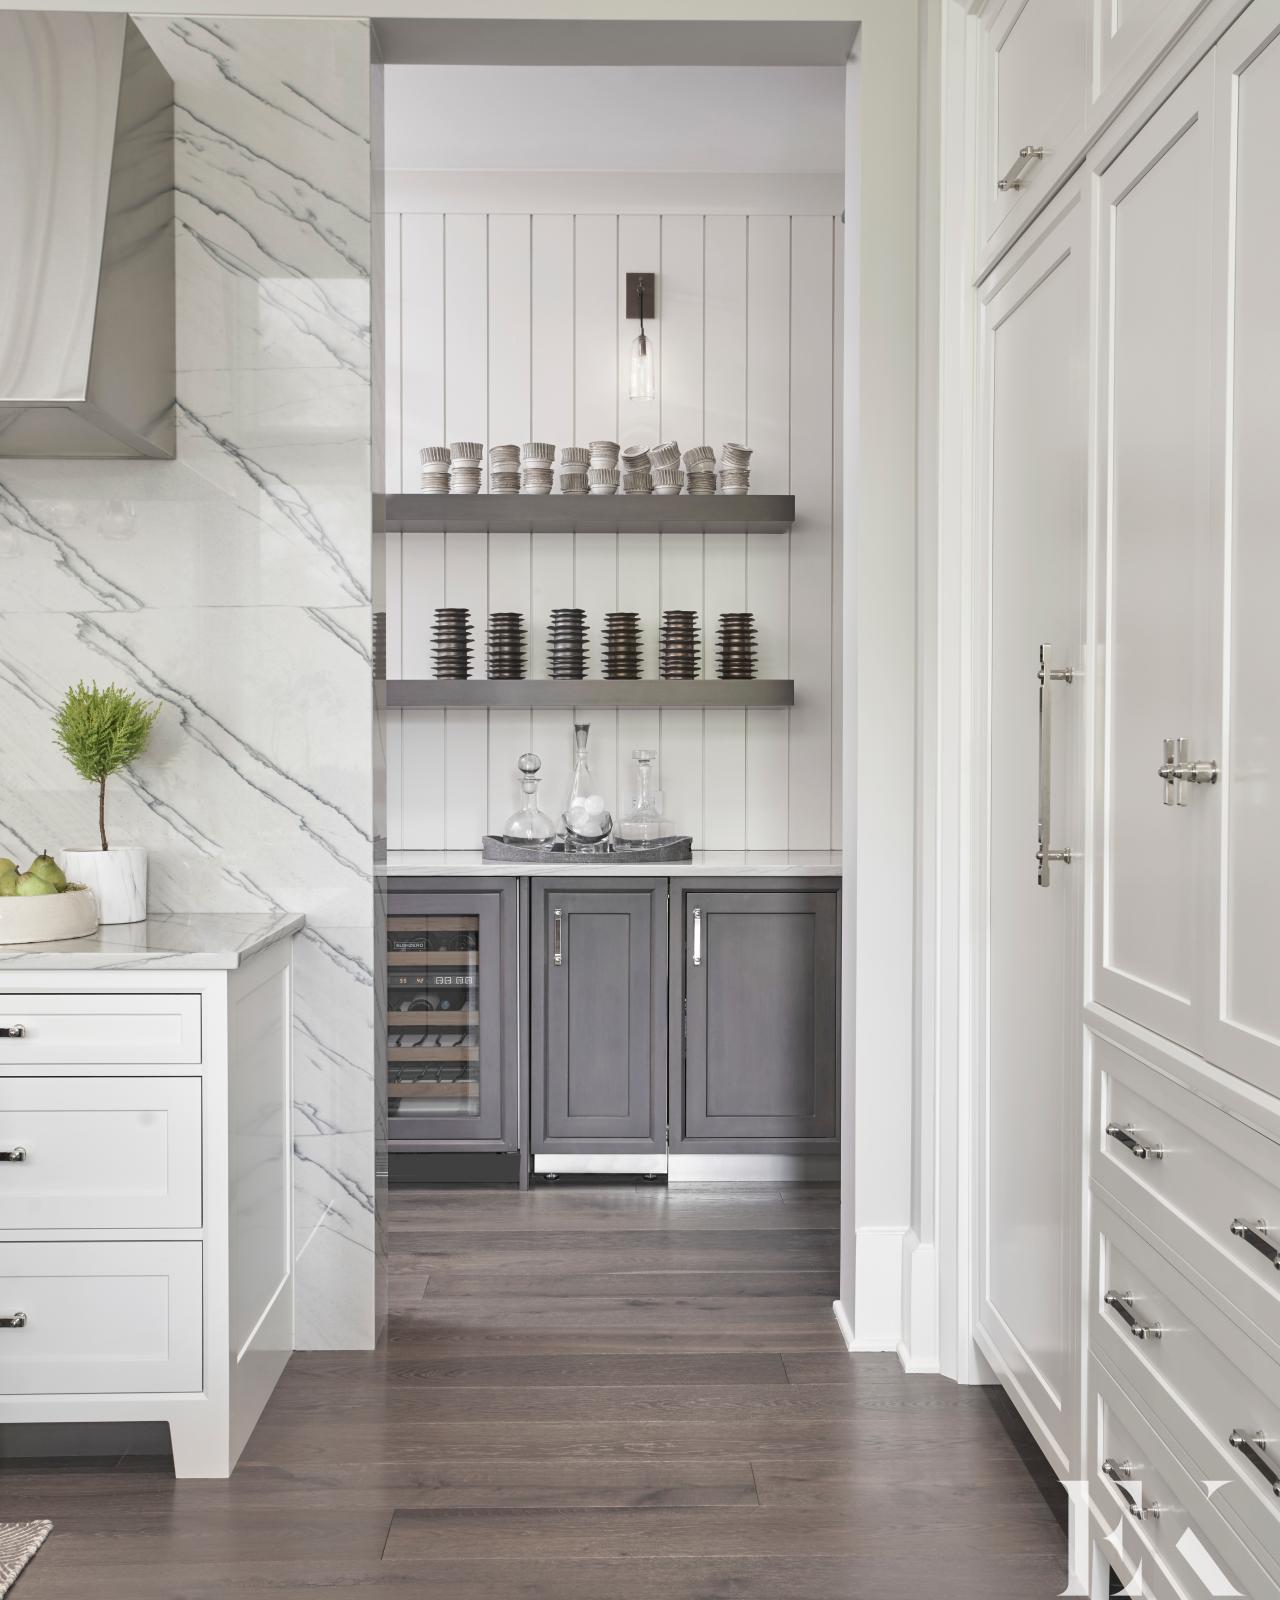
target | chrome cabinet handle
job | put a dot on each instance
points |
(1251, 1446)
(1121, 1302)
(1045, 854)
(1177, 770)
(18, 1153)
(697, 936)
(1023, 162)
(1120, 1472)
(14, 1030)
(557, 947)
(1123, 1133)
(17, 1320)
(1258, 1235)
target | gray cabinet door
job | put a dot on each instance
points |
(761, 1006)
(599, 1002)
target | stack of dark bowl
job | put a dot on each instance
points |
(506, 653)
(679, 651)
(622, 644)
(736, 645)
(567, 643)
(451, 642)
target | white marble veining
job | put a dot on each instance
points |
(233, 585)
(173, 941)
(705, 864)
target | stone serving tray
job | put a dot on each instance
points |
(678, 848)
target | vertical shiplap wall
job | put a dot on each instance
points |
(511, 327)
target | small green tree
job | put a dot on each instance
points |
(101, 730)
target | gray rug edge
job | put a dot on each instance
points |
(19, 1541)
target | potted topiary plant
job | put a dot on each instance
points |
(100, 731)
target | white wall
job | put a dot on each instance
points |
(510, 327)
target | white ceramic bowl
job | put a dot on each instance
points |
(434, 452)
(466, 450)
(698, 454)
(35, 919)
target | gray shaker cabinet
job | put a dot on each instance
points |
(598, 1046)
(757, 1005)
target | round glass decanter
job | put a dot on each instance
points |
(529, 825)
(643, 822)
(586, 820)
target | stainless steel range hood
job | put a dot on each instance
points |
(86, 258)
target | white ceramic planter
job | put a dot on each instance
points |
(33, 919)
(118, 877)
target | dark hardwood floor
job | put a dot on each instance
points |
(586, 1394)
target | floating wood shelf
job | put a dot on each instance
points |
(565, 693)
(584, 513)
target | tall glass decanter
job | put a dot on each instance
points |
(529, 825)
(586, 820)
(642, 821)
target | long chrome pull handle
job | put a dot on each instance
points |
(1124, 1133)
(15, 1030)
(1177, 770)
(17, 1320)
(1045, 854)
(1121, 1302)
(1251, 1446)
(1120, 1473)
(1257, 1234)
(557, 945)
(18, 1153)
(697, 936)
(1023, 162)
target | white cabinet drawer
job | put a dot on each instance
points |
(101, 1318)
(1168, 1522)
(99, 1029)
(99, 1153)
(1193, 1369)
(1035, 93)
(1213, 1171)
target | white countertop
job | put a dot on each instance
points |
(194, 941)
(705, 864)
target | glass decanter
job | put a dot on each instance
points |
(529, 825)
(586, 820)
(643, 822)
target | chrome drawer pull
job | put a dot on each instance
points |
(697, 936)
(1256, 1234)
(557, 954)
(1251, 1446)
(1047, 676)
(1122, 1304)
(1125, 1133)
(18, 1153)
(15, 1030)
(1119, 1472)
(1016, 175)
(17, 1320)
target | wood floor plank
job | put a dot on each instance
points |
(427, 1374)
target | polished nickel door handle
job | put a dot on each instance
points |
(1023, 162)
(1121, 1302)
(557, 946)
(1177, 770)
(1258, 1235)
(14, 1030)
(1045, 854)
(697, 936)
(1120, 1472)
(1124, 1133)
(17, 1320)
(1252, 1447)
(18, 1153)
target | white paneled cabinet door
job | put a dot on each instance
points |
(1032, 522)
(1238, 965)
(1153, 366)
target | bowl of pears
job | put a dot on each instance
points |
(39, 904)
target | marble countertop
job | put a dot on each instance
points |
(194, 941)
(705, 864)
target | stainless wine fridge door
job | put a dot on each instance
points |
(445, 1022)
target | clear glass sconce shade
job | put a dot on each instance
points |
(642, 367)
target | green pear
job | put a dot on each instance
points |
(44, 866)
(29, 884)
(8, 880)
(6, 865)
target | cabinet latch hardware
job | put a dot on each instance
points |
(1022, 165)
(1125, 1134)
(1047, 675)
(1252, 1446)
(18, 1153)
(17, 1320)
(15, 1030)
(1177, 771)
(1257, 1234)
(1121, 1302)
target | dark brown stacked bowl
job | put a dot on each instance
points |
(567, 643)
(679, 649)
(622, 644)
(451, 642)
(506, 650)
(736, 645)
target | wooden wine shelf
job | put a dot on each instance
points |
(566, 693)
(465, 1091)
(579, 513)
(433, 1019)
(429, 1053)
(433, 958)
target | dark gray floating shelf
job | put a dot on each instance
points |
(583, 513)
(564, 693)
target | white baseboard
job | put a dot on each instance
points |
(761, 1168)
(842, 1322)
(918, 1349)
(876, 1323)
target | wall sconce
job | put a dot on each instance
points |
(642, 294)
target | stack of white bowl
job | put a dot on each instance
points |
(575, 459)
(465, 469)
(735, 469)
(700, 464)
(664, 460)
(602, 473)
(536, 462)
(636, 476)
(504, 469)
(434, 459)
